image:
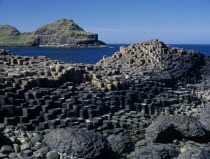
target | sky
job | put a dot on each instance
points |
(117, 21)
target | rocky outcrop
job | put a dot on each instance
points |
(62, 33)
(200, 153)
(156, 59)
(168, 128)
(148, 150)
(78, 143)
(205, 117)
(120, 144)
(118, 99)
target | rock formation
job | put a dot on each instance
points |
(145, 150)
(168, 128)
(62, 33)
(117, 101)
(78, 143)
(195, 154)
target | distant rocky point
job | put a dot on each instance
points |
(62, 33)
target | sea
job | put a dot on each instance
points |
(90, 55)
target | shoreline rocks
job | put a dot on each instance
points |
(53, 46)
(168, 128)
(78, 143)
(145, 149)
(148, 93)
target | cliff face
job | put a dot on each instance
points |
(63, 32)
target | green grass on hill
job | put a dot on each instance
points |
(63, 27)
(10, 35)
(5, 39)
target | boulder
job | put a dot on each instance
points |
(6, 149)
(168, 128)
(79, 143)
(201, 153)
(4, 140)
(42, 151)
(25, 146)
(53, 155)
(22, 155)
(148, 150)
(36, 138)
(191, 145)
(120, 144)
(205, 117)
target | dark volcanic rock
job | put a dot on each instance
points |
(205, 117)
(157, 58)
(121, 94)
(4, 140)
(53, 155)
(6, 149)
(78, 142)
(148, 150)
(120, 144)
(200, 153)
(167, 128)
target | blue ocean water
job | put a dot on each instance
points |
(89, 55)
(77, 55)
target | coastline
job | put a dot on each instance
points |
(117, 94)
(54, 46)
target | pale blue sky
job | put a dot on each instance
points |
(117, 21)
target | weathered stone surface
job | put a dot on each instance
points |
(24, 146)
(79, 143)
(200, 153)
(120, 144)
(148, 150)
(168, 128)
(36, 138)
(6, 149)
(205, 117)
(53, 155)
(22, 155)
